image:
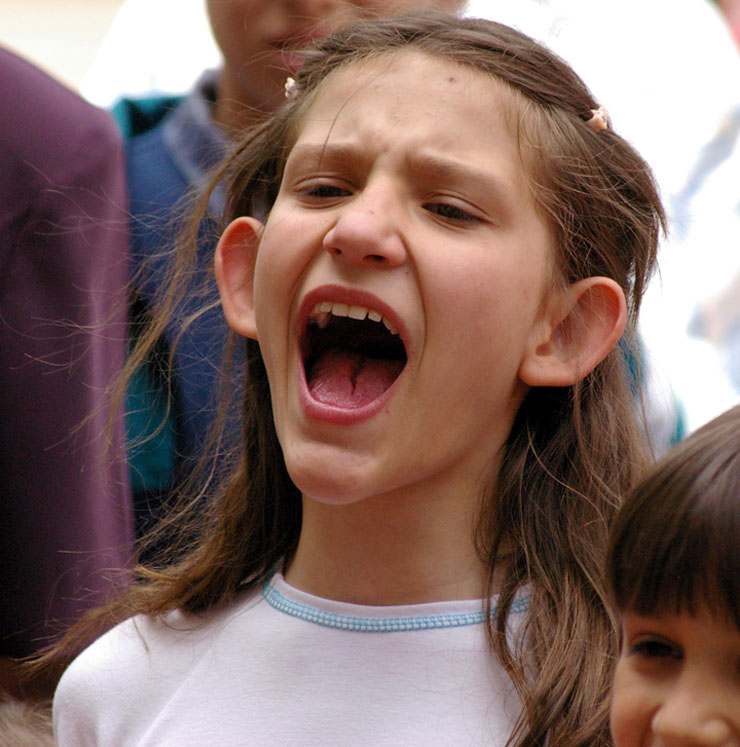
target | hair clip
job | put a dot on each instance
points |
(290, 88)
(600, 120)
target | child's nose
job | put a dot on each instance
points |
(367, 233)
(694, 718)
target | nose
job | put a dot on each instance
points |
(367, 232)
(694, 718)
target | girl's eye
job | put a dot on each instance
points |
(325, 191)
(450, 212)
(654, 647)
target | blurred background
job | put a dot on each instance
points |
(61, 37)
(107, 48)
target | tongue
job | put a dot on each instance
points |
(347, 379)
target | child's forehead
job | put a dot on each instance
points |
(418, 108)
(425, 88)
(429, 73)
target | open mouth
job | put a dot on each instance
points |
(351, 354)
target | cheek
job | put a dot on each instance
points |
(630, 707)
(480, 282)
(268, 313)
(279, 262)
(495, 305)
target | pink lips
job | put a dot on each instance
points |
(323, 411)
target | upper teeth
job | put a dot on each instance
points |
(322, 311)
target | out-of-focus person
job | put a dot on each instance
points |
(65, 505)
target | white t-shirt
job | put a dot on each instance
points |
(282, 667)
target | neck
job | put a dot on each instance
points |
(389, 550)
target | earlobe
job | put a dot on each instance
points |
(576, 334)
(235, 258)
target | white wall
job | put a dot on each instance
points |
(61, 36)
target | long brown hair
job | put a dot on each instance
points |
(572, 452)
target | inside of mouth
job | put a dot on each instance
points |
(349, 362)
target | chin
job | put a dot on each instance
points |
(330, 491)
(339, 485)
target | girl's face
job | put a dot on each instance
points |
(401, 280)
(677, 682)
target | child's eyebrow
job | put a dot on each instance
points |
(450, 171)
(313, 155)
(428, 167)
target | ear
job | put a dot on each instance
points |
(236, 254)
(577, 332)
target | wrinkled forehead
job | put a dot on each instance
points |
(436, 80)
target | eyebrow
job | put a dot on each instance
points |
(431, 167)
(447, 170)
(313, 154)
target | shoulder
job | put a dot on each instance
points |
(118, 679)
(62, 179)
(116, 687)
(137, 649)
(48, 133)
(60, 155)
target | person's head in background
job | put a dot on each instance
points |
(260, 40)
(674, 570)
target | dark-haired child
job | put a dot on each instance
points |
(674, 568)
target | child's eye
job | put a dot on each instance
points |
(655, 647)
(325, 191)
(450, 212)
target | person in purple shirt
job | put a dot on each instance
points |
(65, 506)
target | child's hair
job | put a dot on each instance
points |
(675, 545)
(572, 453)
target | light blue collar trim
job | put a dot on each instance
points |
(378, 624)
